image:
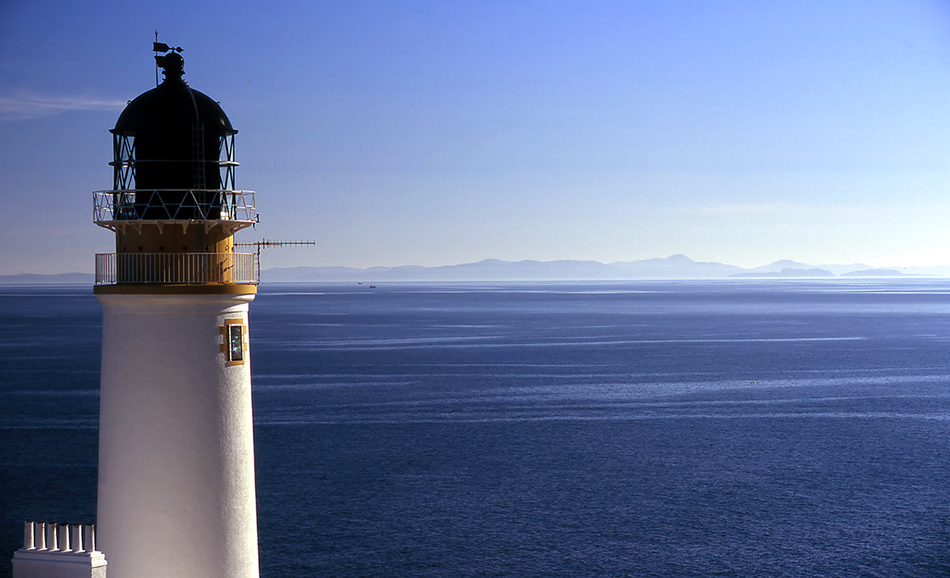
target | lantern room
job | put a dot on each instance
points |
(174, 206)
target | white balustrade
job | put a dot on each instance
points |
(58, 550)
(58, 537)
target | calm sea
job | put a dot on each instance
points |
(611, 429)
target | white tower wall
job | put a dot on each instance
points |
(176, 450)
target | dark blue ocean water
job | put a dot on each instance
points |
(629, 429)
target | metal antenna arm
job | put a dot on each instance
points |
(271, 243)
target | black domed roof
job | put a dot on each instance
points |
(173, 103)
(176, 135)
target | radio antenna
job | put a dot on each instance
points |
(271, 243)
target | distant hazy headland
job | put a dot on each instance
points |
(672, 267)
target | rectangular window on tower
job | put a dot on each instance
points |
(235, 343)
(234, 346)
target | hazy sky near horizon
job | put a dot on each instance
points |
(433, 133)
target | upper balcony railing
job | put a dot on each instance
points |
(111, 208)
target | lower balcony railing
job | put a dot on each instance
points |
(177, 268)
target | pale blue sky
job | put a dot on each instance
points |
(435, 133)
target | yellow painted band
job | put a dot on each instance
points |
(148, 289)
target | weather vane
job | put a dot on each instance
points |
(163, 48)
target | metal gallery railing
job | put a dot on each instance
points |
(177, 268)
(173, 205)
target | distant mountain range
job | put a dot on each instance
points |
(38, 279)
(672, 267)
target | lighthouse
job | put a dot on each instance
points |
(176, 490)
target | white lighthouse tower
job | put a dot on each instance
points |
(176, 452)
